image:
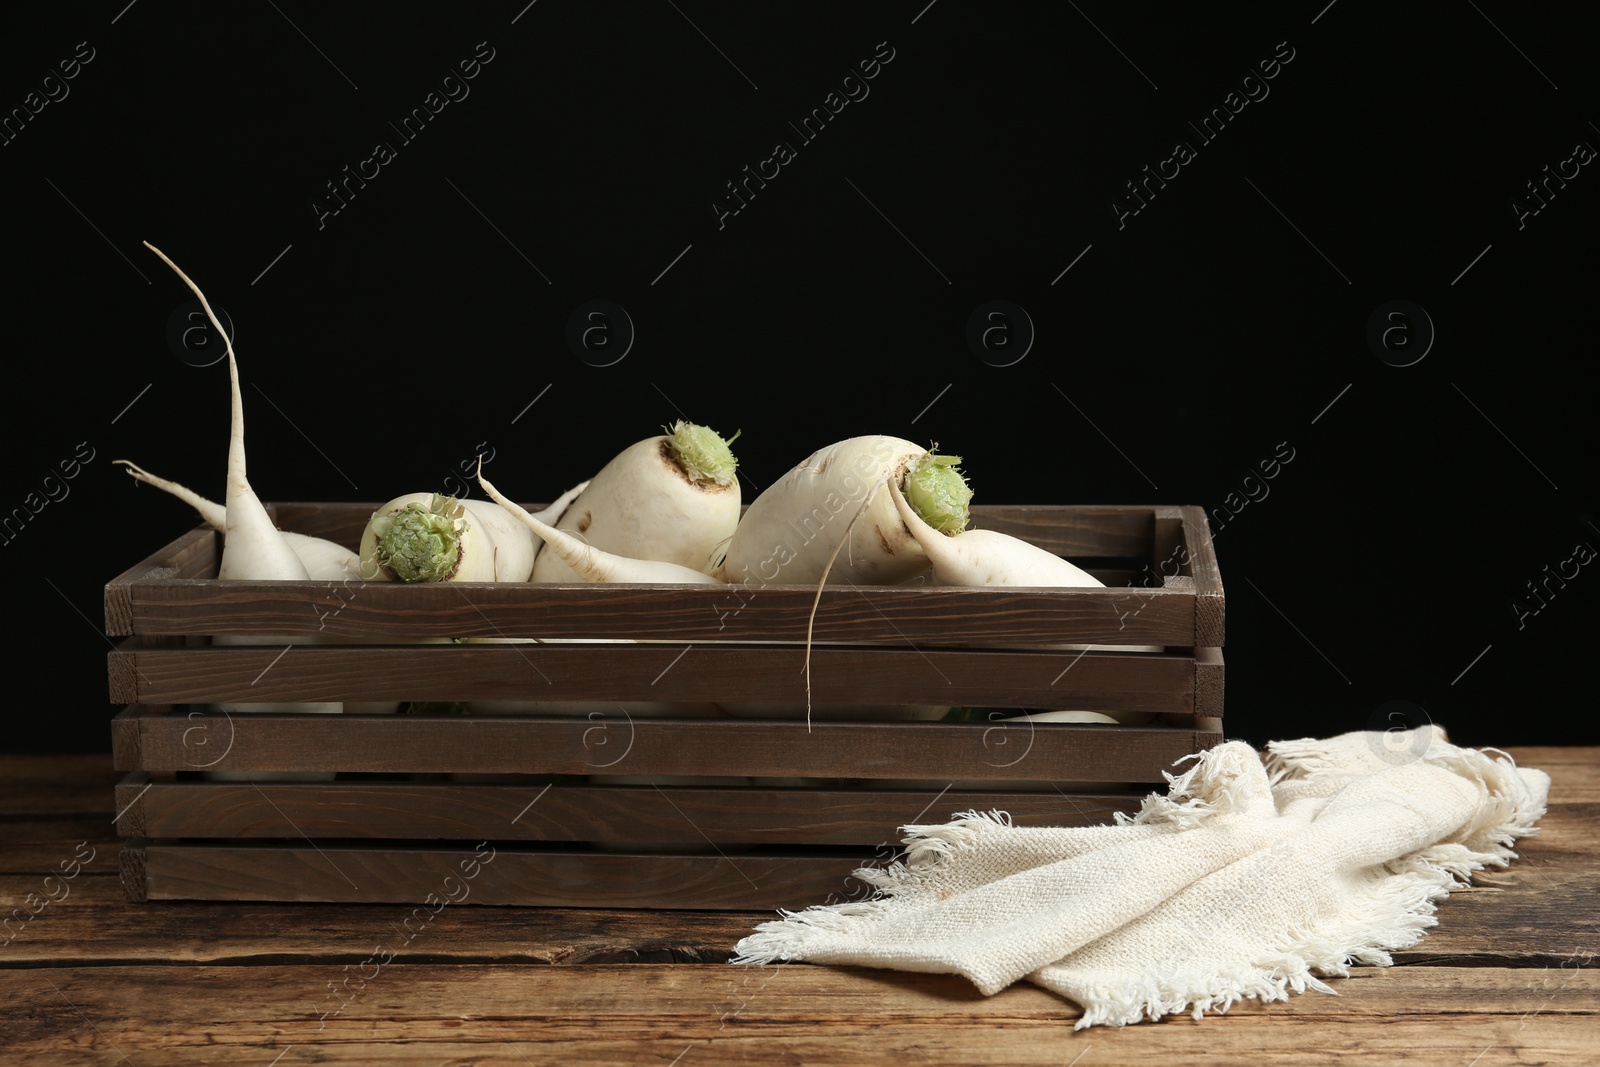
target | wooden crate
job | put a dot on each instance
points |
(393, 823)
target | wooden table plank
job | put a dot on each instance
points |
(1574, 772)
(399, 744)
(40, 846)
(56, 785)
(95, 924)
(543, 877)
(699, 1015)
(1547, 901)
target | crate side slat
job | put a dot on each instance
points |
(157, 599)
(432, 877)
(1208, 682)
(1004, 749)
(132, 866)
(572, 813)
(880, 614)
(1169, 556)
(1210, 604)
(1083, 531)
(193, 555)
(126, 734)
(132, 798)
(688, 673)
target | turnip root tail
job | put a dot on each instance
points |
(811, 619)
(591, 564)
(942, 494)
(212, 514)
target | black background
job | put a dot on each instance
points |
(1228, 316)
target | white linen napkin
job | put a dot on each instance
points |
(1255, 875)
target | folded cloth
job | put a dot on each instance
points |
(1253, 876)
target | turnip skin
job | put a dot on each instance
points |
(814, 515)
(552, 512)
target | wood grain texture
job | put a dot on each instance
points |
(1209, 682)
(525, 876)
(1541, 913)
(881, 614)
(133, 866)
(193, 555)
(56, 785)
(1210, 604)
(668, 672)
(566, 812)
(97, 925)
(628, 1015)
(1004, 749)
(45, 846)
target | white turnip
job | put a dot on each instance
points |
(828, 516)
(674, 498)
(426, 537)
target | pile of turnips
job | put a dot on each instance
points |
(869, 510)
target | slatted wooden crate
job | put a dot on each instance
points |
(393, 821)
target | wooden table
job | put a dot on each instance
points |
(1505, 978)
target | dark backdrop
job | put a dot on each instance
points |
(1182, 339)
